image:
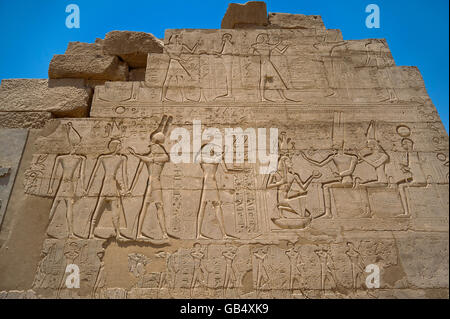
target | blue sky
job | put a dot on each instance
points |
(33, 31)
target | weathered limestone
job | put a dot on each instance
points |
(132, 47)
(248, 15)
(34, 120)
(360, 177)
(92, 67)
(10, 156)
(137, 74)
(61, 97)
(295, 21)
(81, 48)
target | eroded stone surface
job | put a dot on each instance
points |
(61, 97)
(81, 48)
(84, 66)
(24, 119)
(250, 14)
(361, 179)
(10, 156)
(295, 21)
(132, 47)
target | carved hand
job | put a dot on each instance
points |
(316, 174)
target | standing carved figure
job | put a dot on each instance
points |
(154, 160)
(226, 56)
(112, 187)
(327, 268)
(199, 276)
(358, 265)
(73, 166)
(269, 74)
(262, 276)
(294, 271)
(210, 189)
(230, 269)
(413, 171)
(176, 68)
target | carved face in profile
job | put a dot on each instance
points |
(227, 37)
(174, 39)
(372, 145)
(114, 146)
(262, 38)
(407, 144)
(158, 138)
(288, 163)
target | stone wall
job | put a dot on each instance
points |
(361, 177)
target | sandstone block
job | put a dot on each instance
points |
(93, 67)
(252, 13)
(132, 47)
(85, 48)
(295, 21)
(34, 120)
(137, 74)
(61, 97)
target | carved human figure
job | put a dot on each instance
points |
(112, 188)
(294, 270)
(136, 265)
(100, 279)
(413, 171)
(230, 278)
(357, 262)
(154, 161)
(342, 71)
(283, 180)
(170, 273)
(226, 56)
(176, 69)
(210, 190)
(72, 249)
(377, 158)
(73, 167)
(269, 73)
(378, 57)
(262, 276)
(47, 258)
(345, 163)
(327, 268)
(199, 276)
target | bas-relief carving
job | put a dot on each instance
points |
(270, 66)
(264, 271)
(361, 149)
(102, 180)
(237, 216)
(10, 157)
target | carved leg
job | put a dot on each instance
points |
(161, 219)
(116, 218)
(55, 204)
(141, 219)
(201, 215)
(327, 200)
(96, 216)
(402, 190)
(69, 216)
